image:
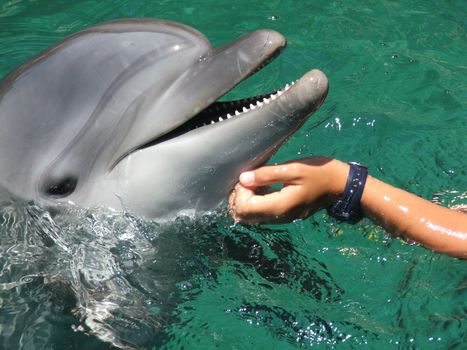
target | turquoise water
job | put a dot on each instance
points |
(397, 102)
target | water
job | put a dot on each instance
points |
(397, 103)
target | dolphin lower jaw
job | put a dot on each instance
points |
(215, 153)
(221, 111)
(229, 137)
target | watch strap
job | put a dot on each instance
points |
(348, 208)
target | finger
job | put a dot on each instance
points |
(273, 205)
(268, 175)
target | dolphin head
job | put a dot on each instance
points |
(124, 115)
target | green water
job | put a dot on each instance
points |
(397, 102)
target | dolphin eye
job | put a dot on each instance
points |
(61, 188)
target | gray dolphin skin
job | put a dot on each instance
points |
(113, 116)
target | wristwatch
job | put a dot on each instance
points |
(348, 207)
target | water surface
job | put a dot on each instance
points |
(397, 102)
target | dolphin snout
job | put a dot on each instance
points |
(312, 87)
(270, 38)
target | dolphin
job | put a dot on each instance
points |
(125, 115)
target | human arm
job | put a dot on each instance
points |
(317, 182)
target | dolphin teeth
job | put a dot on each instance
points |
(229, 116)
(266, 100)
(213, 122)
(237, 112)
(280, 92)
(273, 96)
(252, 106)
(259, 104)
(245, 110)
(220, 119)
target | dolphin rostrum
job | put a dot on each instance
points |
(124, 115)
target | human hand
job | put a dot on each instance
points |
(309, 184)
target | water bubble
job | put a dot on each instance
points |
(273, 18)
(77, 328)
(185, 285)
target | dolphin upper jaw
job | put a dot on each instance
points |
(214, 73)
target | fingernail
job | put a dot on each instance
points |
(247, 178)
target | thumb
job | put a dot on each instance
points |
(268, 175)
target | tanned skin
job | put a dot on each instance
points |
(313, 183)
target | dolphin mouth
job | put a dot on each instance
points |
(210, 111)
(226, 67)
(221, 111)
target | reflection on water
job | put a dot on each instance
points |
(108, 274)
